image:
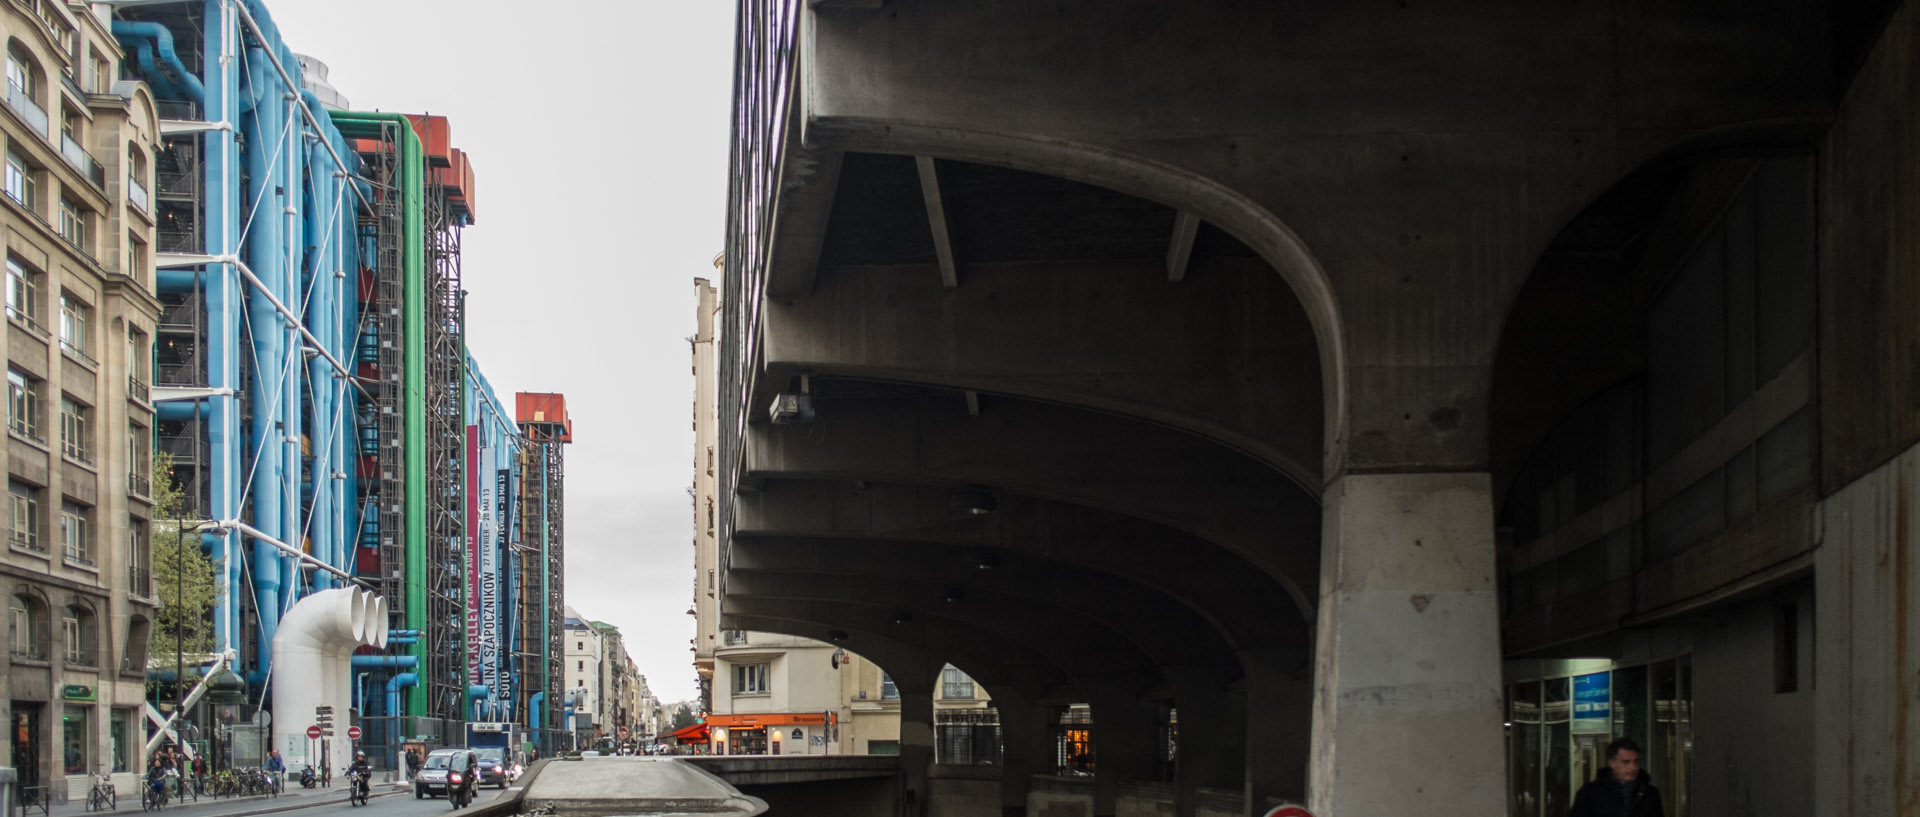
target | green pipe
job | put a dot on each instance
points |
(414, 390)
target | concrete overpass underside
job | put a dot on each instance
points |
(1309, 374)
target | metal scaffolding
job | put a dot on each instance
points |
(446, 425)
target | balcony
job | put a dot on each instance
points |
(77, 155)
(25, 540)
(84, 657)
(185, 241)
(140, 582)
(140, 485)
(75, 352)
(29, 431)
(31, 324)
(138, 391)
(22, 103)
(30, 648)
(137, 195)
(180, 111)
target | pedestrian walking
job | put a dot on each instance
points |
(1623, 789)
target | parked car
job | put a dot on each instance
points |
(432, 779)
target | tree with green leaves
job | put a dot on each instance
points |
(183, 575)
(683, 716)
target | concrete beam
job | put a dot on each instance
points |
(1180, 250)
(1230, 355)
(1008, 667)
(937, 220)
(1245, 603)
(1055, 452)
(809, 183)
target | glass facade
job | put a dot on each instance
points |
(1558, 729)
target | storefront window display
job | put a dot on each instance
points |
(75, 747)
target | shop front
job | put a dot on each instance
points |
(791, 733)
(1561, 715)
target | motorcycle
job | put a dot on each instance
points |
(307, 780)
(356, 788)
(457, 792)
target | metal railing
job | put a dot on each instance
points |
(29, 321)
(22, 103)
(181, 111)
(137, 195)
(138, 485)
(177, 241)
(26, 429)
(83, 657)
(75, 353)
(140, 582)
(32, 648)
(180, 184)
(27, 540)
(32, 799)
(138, 390)
(182, 374)
(76, 154)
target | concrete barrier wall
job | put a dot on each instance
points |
(1144, 799)
(969, 796)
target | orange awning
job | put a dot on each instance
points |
(696, 733)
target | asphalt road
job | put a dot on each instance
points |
(388, 801)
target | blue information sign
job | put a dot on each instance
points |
(1593, 702)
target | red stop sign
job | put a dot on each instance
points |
(314, 731)
(353, 733)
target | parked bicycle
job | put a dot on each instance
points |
(102, 797)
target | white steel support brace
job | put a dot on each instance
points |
(263, 536)
(247, 17)
(179, 260)
(220, 662)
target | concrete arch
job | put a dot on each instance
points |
(1210, 200)
(1011, 665)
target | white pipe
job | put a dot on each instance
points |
(311, 655)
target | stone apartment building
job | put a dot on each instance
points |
(78, 230)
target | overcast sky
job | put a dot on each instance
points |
(598, 133)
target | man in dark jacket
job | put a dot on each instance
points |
(1623, 789)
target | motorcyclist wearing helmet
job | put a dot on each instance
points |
(361, 771)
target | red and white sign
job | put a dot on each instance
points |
(353, 733)
(314, 731)
(1289, 811)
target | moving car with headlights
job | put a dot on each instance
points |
(493, 765)
(432, 779)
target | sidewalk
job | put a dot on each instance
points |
(293, 798)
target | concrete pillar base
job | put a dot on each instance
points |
(1407, 696)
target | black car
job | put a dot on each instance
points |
(493, 765)
(432, 779)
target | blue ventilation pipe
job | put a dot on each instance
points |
(535, 706)
(394, 685)
(386, 661)
(163, 42)
(264, 254)
(220, 33)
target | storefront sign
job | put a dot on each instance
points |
(79, 692)
(773, 719)
(1593, 703)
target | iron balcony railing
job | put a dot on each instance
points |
(82, 657)
(22, 103)
(29, 321)
(27, 540)
(177, 241)
(76, 353)
(140, 582)
(76, 154)
(20, 426)
(137, 195)
(140, 485)
(30, 647)
(138, 390)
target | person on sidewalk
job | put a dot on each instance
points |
(276, 770)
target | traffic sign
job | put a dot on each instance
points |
(1289, 811)
(313, 731)
(353, 733)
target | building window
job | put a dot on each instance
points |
(76, 430)
(76, 326)
(580, 645)
(733, 638)
(122, 737)
(73, 224)
(25, 638)
(75, 542)
(582, 666)
(23, 516)
(139, 559)
(76, 625)
(888, 691)
(750, 679)
(955, 685)
(23, 182)
(23, 291)
(77, 736)
(23, 405)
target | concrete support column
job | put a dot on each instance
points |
(916, 748)
(1026, 747)
(1407, 674)
(1213, 734)
(1124, 724)
(1279, 728)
